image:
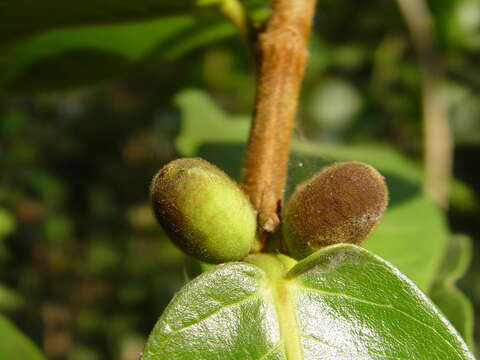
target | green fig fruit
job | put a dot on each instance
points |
(340, 204)
(203, 211)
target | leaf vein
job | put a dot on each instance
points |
(220, 309)
(389, 306)
(270, 351)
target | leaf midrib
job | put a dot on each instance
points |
(286, 313)
(282, 294)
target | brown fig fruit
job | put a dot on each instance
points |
(340, 204)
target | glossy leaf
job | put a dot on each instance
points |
(14, 345)
(454, 304)
(219, 138)
(341, 302)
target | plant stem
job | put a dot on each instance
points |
(281, 52)
(438, 145)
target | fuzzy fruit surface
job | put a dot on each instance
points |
(340, 204)
(203, 211)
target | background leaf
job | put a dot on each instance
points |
(14, 345)
(25, 17)
(75, 56)
(414, 246)
(7, 223)
(454, 304)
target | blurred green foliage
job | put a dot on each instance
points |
(454, 304)
(84, 269)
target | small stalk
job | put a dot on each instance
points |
(281, 52)
(235, 12)
(437, 137)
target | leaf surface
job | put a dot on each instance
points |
(342, 302)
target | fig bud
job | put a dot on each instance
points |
(203, 211)
(340, 204)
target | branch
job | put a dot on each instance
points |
(281, 52)
(438, 145)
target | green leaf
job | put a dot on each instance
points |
(458, 22)
(204, 122)
(454, 304)
(415, 246)
(463, 197)
(14, 345)
(81, 55)
(7, 223)
(9, 299)
(340, 303)
(20, 18)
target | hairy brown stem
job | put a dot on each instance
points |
(281, 52)
(438, 145)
